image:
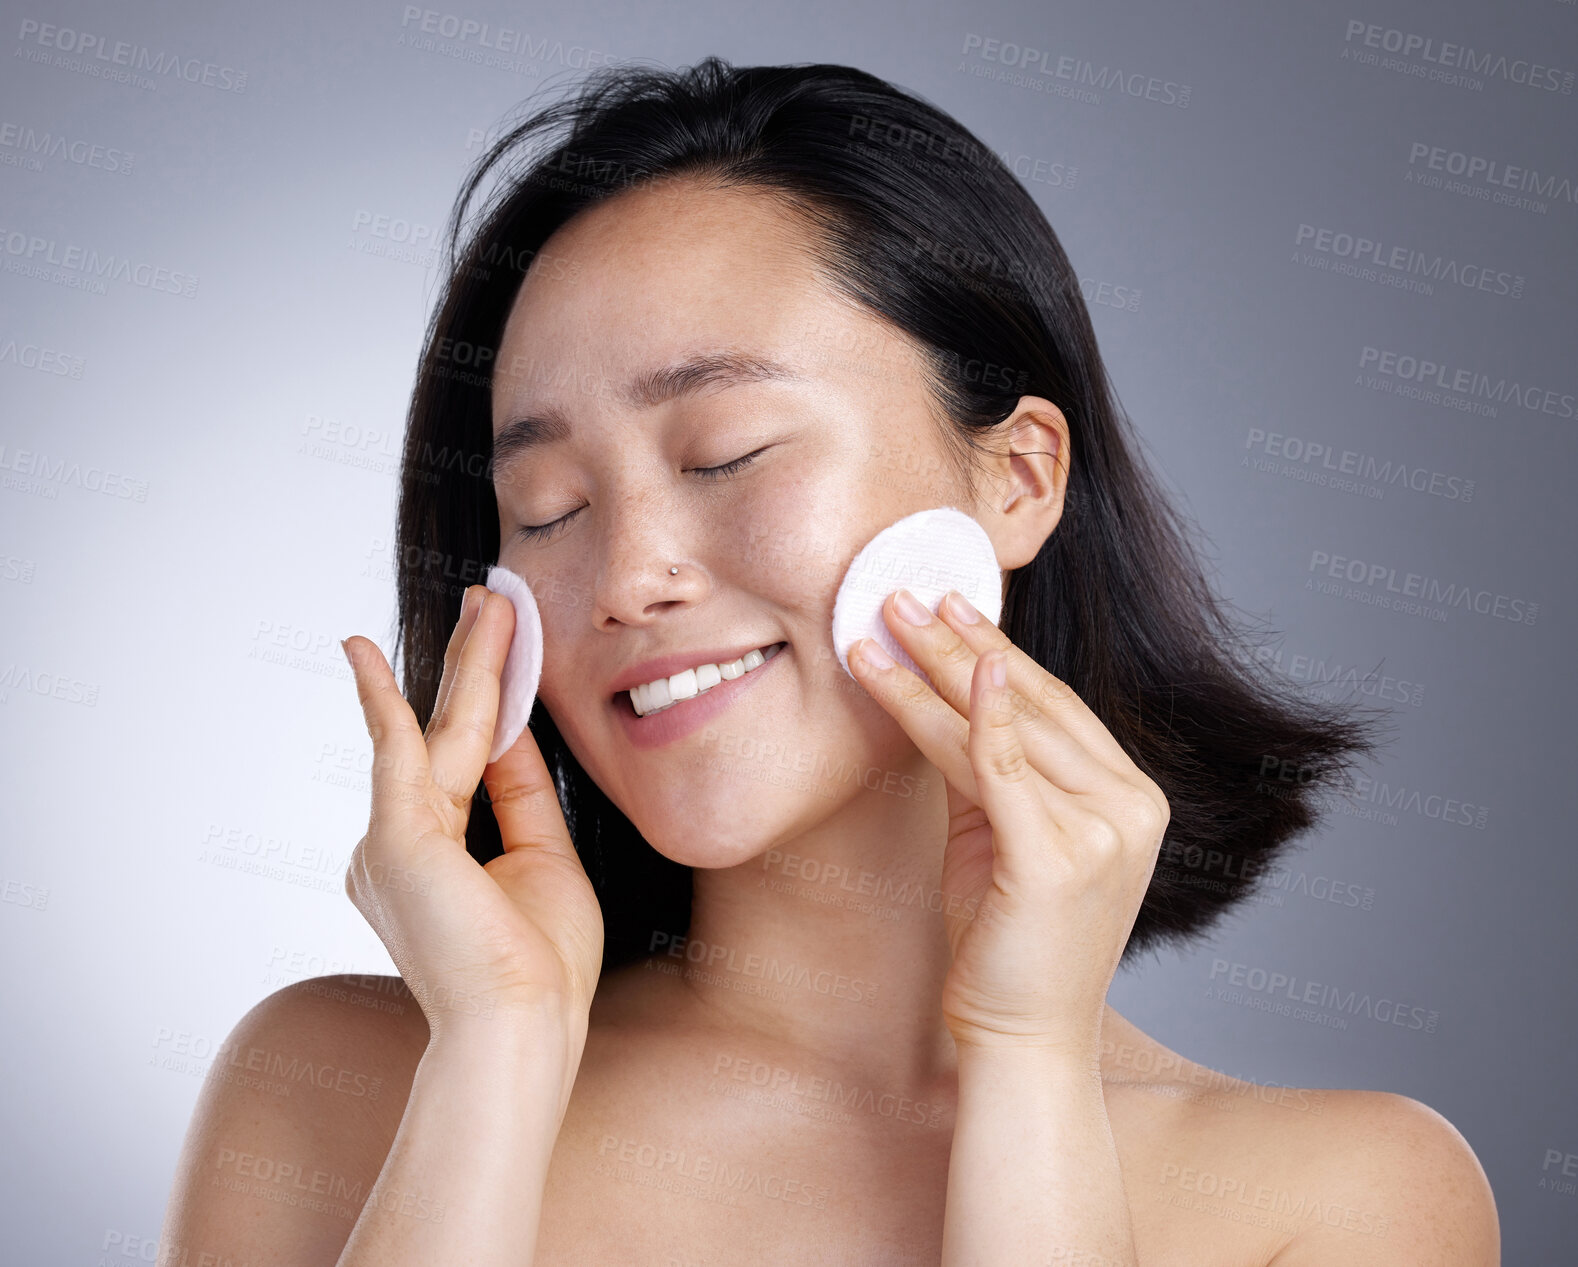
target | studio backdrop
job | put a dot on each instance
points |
(1329, 251)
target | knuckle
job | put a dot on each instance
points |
(1102, 836)
(1008, 764)
(955, 652)
(522, 795)
(1020, 708)
(467, 678)
(1151, 811)
(914, 693)
(1164, 815)
(1052, 691)
(472, 724)
(354, 869)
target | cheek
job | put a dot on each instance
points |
(790, 539)
(563, 601)
(563, 694)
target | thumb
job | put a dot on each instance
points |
(526, 800)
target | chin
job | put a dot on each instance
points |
(711, 855)
(714, 834)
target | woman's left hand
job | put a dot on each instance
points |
(1052, 830)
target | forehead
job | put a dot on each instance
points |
(652, 275)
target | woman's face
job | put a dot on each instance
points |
(652, 280)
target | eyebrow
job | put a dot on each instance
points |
(683, 378)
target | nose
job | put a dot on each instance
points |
(634, 584)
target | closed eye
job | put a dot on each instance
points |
(730, 468)
(541, 532)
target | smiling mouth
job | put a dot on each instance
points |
(665, 693)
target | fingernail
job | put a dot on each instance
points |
(871, 652)
(909, 607)
(962, 608)
(347, 652)
(998, 669)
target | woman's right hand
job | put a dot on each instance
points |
(516, 937)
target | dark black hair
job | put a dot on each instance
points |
(924, 225)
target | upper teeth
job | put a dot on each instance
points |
(665, 692)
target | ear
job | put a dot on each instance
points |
(1025, 481)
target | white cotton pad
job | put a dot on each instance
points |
(522, 664)
(927, 553)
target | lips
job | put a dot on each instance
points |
(679, 661)
(672, 724)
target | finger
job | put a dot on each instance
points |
(1021, 805)
(936, 728)
(400, 758)
(525, 801)
(949, 660)
(941, 653)
(459, 744)
(457, 639)
(1053, 696)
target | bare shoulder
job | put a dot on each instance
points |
(295, 1120)
(1401, 1185)
(1290, 1176)
(356, 1036)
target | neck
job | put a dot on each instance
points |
(833, 943)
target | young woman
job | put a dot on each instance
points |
(811, 967)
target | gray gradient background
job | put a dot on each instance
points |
(237, 456)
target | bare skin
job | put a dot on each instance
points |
(654, 1073)
(534, 1105)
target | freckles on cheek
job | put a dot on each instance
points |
(560, 680)
(791, 539)
(564, 597)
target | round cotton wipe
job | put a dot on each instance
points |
(927, 553)
(522, 665)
